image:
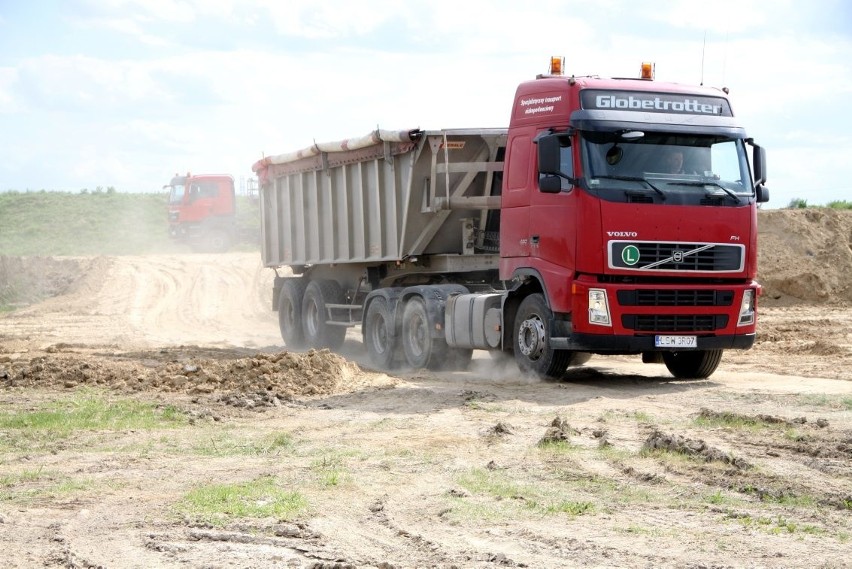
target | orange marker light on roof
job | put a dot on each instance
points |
(647, 71)
(557, 65)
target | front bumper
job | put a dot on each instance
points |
(609, 344)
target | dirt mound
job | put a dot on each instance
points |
(283, 375)
(26, 280)
(691, 447)
(805, 255)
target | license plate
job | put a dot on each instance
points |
(676, 341)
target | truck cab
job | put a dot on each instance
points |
(630, 207)
(202, 210)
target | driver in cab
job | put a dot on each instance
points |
(673, 162)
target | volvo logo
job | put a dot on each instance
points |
(677, 256)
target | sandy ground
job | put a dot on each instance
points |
(618, 465)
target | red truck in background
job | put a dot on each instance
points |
(202, 211)
(612, 216)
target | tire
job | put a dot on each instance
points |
(692, 364)
(531, 340)
(379, 334)
(316, 331)
(290, 312)
(421, 349)
(218, 240)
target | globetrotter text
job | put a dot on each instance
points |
(656, 104)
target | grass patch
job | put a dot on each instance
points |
(30, 485)
(777, 525)
(224, 445)
(557, 447)
(59, 420)
(496, 496)
(330, 470)
(264, 497)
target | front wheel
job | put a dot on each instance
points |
(532, 340)
(698, 364)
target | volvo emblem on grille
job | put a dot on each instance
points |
(677, 256)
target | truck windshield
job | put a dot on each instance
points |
(176, 193)
(677, 168)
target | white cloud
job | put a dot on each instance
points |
(156, 96)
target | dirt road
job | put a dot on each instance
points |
(616, 466)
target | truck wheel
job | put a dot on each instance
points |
(290, 312)
(218, 240)
(379, 337)
(698, 364)
(532, 340)
(421, 349)
(317, 332)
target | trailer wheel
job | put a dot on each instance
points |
(315, 328)
(532, 340)
(421, 349)
(698, 364)
(379, 336)
(290, 312)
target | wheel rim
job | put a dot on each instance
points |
(379, 334)
(288, 315)
(312, 319)
(416, 335)
(531, 337)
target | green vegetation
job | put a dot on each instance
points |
(264, 497)
(503, 497)
(96, 223)
(330, 470)
(801, 203)
(840, 204)
(52, 423)
(39, 484)
(797, 203)
(224, 444)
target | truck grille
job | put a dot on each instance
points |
(653, 297)
(674, 322)
(652, 256)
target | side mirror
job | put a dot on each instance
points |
(758, 159)
(550, 184)
(548, 154)
(550, 163)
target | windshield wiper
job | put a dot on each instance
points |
(634, 179)
(709, 183)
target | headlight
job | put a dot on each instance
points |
(598, 307)
(747, 309)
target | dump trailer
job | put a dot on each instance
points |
(612, 216)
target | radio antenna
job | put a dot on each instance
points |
(703, 49)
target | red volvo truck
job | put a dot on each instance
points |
(202, 210)
(613, 216)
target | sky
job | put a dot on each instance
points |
(126, 93)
